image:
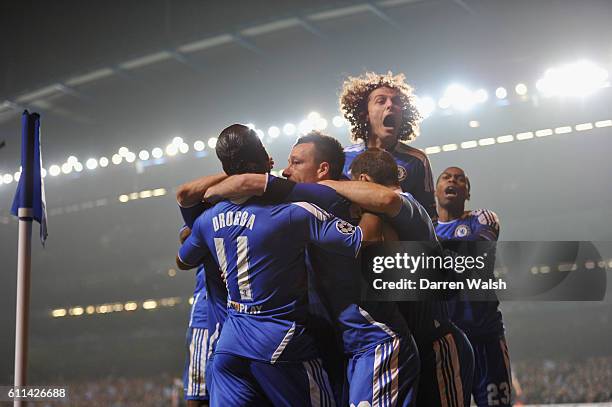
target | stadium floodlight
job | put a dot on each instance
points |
(177, 140)
(66, 168)
(43, 172)
(123, 198)
(199, 145)
(54, 170)
(305, 126)
(130, 157)
(103, 162)
(260, 133)
(580, 78)
(7, 178)
(313, 116)
(521, 89)
(474, 123)
(16, 176)
(273, 132)
(289, 129)
(481, 96)
(116, 159)
(171, 149)
(444, 103)
(143, 155)
(338, 121)
(459, 97)
(184, 148)
(426, 106)
(501, 93)
(250, 126)
(123, 151)
(91, 164)
(320, 124)
(72, 160)
(157, 152)
(212, 142)
(78, 167)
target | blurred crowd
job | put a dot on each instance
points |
(536, 382)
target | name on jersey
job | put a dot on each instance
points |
(231, 218)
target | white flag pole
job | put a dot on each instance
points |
(24, 263)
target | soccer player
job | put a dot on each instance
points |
(382, 113)
(265, 354)
(194, 374)
(447, 362)
(383, 361)
(480, 320)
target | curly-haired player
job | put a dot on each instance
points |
(382, 112)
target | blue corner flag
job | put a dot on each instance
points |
(29, 199)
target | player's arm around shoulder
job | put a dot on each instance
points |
(368, 195)
(237, 187)
(192, 193)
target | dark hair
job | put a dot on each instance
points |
(240, 151)
(327, 149)
(378, 164)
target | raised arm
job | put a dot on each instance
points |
(237, 186)
(192, 193)
(368, 195)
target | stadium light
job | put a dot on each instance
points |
(501, 93)
(103, 162)
(72, 160)
(66, 168)
(521, 89)
(130, 157)
(177, 140)
(7, 178)
(123, 151)
(143, 155)
(184, 148)
(313, 116)
(289, 129)
(320, 124)
(260, 133)
(305, 126)
(474, 123)
(426, 106)
(157, 152)
(580, 78)
(444, 103)
(16, 176)
(250, 126)
(199, 145)
(459, 97)
(481, 96)
(171, 149)
(78, 167)
(43, 172)
(91, 164)
(116, 159)
(273, 132)
(212, 142)
(54, 170)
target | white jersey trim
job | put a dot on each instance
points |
(283, 344)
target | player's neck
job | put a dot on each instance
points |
(449, 214)
(388, 143)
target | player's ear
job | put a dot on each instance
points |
(364, 177)
(323, 170)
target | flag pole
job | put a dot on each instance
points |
(24, 263)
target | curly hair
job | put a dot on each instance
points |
(354, 103)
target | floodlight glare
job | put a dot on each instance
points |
(305, 126)
(72, 160)
(212, 142)
(54, 170)
(313, 116)
(250, 126)
(143, 155)
(171, 149)
(91, 164)
(177, 140)
(66, 168)
(481, 96)
(184, 148)
(103, 162)
(7, 178)
(274, 132)
(260, 133)
(116, 159)
(501, 93)
(289, 129)
(157, 152)
(320, 124)
(78, 167)
(577, 79)
(521, 89)
(426, 106)
(16, 176)
(459, 97)
(123, 151)
(199, 145)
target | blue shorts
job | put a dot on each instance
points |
(447, 370)
(194, 375)
(245, 382)
(385, 375)
(492, 377)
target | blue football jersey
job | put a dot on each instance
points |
(415, 174)
(198, 317)
(426, 319)
(260, 251)
(361, 324)
(475, 318)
